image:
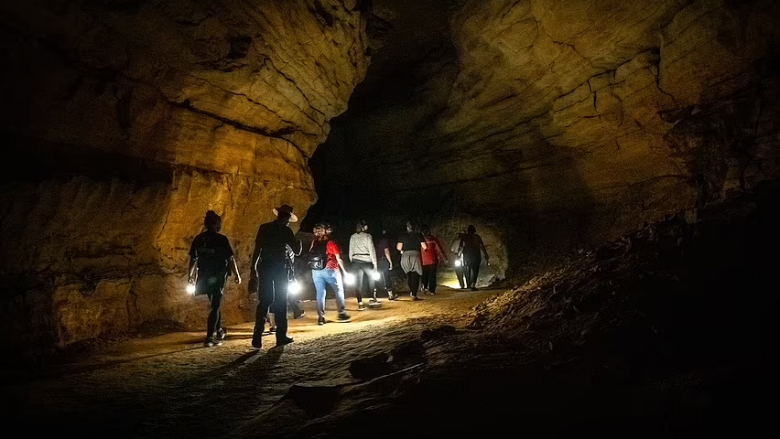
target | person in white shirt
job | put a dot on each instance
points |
(362, 254)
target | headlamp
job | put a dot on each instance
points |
(191, 289)
(349, 279)
(294, 288)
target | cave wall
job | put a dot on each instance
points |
(557, 124)
(126, 121)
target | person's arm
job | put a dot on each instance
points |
(232, 264)
(333, 248)
(234, 269)
(193, 264)
(440, 250)
(400, 247)
(372, 252)
(351, 246)
(191, 270)
(389, 259)
(423, 244)
(484, 250)
(294, 242)
(341, 263)
(253, 277)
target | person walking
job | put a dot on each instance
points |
(325, 262)
(431, 256)
(454, 249)
(385, 264)
(211, 260)
(410, 245)
(362, 255)
(270, 277)
(471, 249)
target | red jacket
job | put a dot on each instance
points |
(433, 254)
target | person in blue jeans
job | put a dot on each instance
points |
(325, 263)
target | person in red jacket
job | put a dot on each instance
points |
(431, 256)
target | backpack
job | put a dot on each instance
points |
(317, 255)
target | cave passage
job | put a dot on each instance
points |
(618, 160)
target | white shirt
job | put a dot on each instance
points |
(361, 248)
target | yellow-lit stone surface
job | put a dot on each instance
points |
(130, 120)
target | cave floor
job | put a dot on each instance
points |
(172, 386)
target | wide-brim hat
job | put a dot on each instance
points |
(288, 209)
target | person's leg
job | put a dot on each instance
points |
(211, 324)
(281, 284)
(271, 321)
(461, 276)
(369, 269)
(335, 281)
(414, 283)
(424, 277)
(319, 278)
(384, 270)
(266, 297)
(475, 275)
(358, 272)
(432, 279)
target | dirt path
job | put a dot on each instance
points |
(171, 386)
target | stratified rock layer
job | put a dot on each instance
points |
(127, 121)
(572, 122)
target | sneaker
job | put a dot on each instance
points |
(415, 298)
(343, 316)
(321, 321)
(361, 307)
(221, 334)
(391, 296)
(209, 342)
(272, 329)
(217, 342)
(298, 316)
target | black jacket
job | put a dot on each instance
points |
(272, 241)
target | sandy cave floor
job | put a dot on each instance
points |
(172, 386)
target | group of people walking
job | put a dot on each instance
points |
(272, 268)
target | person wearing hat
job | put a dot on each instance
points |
(269, 276)
(211, 260)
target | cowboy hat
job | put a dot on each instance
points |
(288, 209)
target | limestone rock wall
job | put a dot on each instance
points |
(576, 121)
(126, 121)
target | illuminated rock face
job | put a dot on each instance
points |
(569, 122)
(127, 121)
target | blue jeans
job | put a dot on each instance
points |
(325, 277)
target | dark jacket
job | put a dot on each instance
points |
(272, 242)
